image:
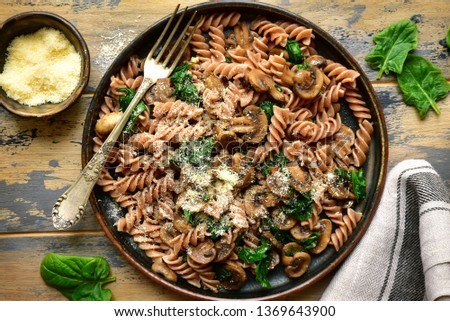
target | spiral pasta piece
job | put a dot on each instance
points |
(225, 19)
(270, 30)
(200, 183)
(357, 105)
(341, 73)
(362, 143)
(342, 233)
(297, 32)
(278, 124)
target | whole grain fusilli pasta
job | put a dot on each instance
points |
(242, 150)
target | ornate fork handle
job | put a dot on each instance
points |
(70, 207)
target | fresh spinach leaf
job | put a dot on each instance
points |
(447, 38)
(422, 84)
(392, 46)
(358, 184)
(184, 88)
(124, 102)
(77, 277)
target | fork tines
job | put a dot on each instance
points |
(175, 46)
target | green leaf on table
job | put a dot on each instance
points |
(422, 84)
(77, 277)
(447, 38)
(392, 46)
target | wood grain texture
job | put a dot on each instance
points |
(39, 159)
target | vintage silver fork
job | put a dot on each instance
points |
(70, 207)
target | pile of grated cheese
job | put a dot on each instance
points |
(42, 67)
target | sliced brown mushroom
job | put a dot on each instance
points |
(223, 250)
(161, 91)
(316, 60)
(193, 203)
(253, 124)
(106, 124)
(283, 221)
(215, 83)
(243, 36)
(168, 232)
(269, 236)
(237, 278)
(308, 82)
(203, 253)
(343, 141)
(339, 189)
(164, 270)
(300, 232)
(241, 165)
(227, 139)
(299, 265)
(279, 183)
(252, 206)
(275, 260)
(262, 82)
(268, 199)
(278, 51)
(181, 224)
(288, 252)
(300, 179)
(324, 227)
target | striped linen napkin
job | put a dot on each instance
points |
(405, 252)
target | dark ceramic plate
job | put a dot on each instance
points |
(107, 210)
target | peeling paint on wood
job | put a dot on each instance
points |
(39, 159)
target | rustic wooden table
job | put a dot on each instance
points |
(39, 159)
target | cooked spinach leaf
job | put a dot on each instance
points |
(262, 257)
(184, 88)
(392, 46)
(124, 102)
(222, 273)
(196, 152)
(77, 277)
(300, 206)
(310, 242)
(295, 52)
(354, 178)
(276, 160)
(218, 228)
(267, 106)
(262, 271)
(422, 84)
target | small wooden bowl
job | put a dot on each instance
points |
(29, 22)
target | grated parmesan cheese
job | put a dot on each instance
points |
(42, 67)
